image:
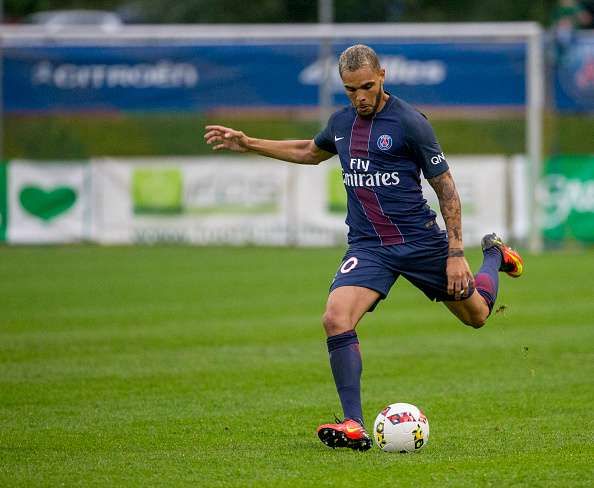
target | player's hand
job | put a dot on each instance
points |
(460, 278)
(226, 138)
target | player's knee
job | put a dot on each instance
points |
(476, 321)
(476, 324)
(335, 323)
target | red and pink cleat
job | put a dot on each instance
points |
(348, 433)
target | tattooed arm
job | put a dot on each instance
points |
(458, 271)
(449, 203)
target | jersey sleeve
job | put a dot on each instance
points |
(325, 139)
(425, 149)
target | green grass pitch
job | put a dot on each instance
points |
(207, 367)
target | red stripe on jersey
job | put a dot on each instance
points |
(360, 133)
(387, 231)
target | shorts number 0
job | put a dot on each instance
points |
(349, 264)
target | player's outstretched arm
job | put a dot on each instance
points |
(293, 151)
(458, 271)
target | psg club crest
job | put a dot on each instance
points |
(384, 142)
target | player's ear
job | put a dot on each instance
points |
(382, 73)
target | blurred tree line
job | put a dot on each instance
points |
(230, 11)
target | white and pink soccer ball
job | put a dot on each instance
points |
(401, 427)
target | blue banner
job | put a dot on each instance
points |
(574, 77)
(199, 77)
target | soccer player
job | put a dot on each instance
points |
(384, 145)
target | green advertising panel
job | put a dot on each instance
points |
(3, 201)
(337, 199)
(568, 198)
(157, 190)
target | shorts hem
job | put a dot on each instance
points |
(374, 305)
(383, 294)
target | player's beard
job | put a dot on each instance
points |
(378, 100)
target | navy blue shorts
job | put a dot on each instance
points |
(423, 263)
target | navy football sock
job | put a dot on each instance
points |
(345, 361)
(486, 280)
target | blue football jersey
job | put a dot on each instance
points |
(382, 158)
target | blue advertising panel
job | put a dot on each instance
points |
(195, 77)
(574, 77)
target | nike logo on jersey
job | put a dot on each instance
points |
(336, 139)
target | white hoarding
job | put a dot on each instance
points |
(199, 201)
(230, 200)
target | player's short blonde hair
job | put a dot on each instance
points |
(357, 56)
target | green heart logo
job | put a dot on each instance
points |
(47, 205)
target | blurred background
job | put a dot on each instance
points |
(104, 104)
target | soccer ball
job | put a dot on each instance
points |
(401, 427)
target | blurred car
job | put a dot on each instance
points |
(56, 20)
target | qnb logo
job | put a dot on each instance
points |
(349, 264)
(438, 159)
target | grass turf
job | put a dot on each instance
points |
(207, 366)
